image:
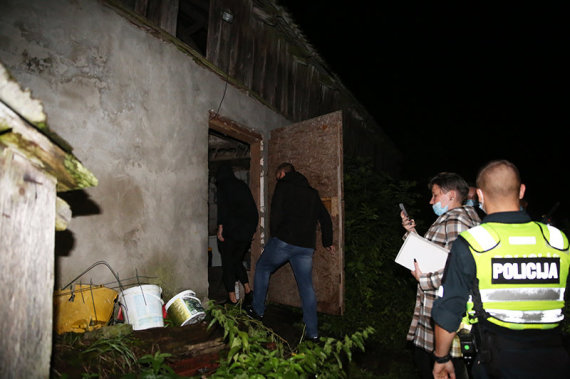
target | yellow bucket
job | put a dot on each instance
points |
(83, 308)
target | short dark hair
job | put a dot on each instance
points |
(499, 178)
(285, 167)
(448, 181)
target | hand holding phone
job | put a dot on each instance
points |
(408, 223)
(403, 209)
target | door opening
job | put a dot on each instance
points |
(229, 143)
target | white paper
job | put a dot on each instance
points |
(430, 256)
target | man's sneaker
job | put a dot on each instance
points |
(252, 313)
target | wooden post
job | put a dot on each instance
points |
(27, 225)
(32, 169)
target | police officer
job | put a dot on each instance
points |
(516, 272)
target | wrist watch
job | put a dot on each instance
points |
(444, 359)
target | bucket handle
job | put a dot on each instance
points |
(90, 267)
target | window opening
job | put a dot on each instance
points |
(188, 23)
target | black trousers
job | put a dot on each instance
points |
(536, 357)
(232, 253)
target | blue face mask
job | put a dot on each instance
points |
(438, 210)
(481, 207)
(470, 202)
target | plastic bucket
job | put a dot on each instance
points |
(185, 309)
(83, 308)
(142, 306)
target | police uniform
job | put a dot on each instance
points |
(517, 272)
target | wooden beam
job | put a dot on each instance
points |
(23, 128)
(169, 15)
(28, 141)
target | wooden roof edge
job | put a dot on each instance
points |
(29, 109)
(23, 127)
(284, 21)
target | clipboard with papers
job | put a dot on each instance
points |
(430, 256)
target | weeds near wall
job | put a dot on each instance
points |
(256, 352)
(102, 358)
(109, 352)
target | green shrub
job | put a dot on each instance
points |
(257, 352)
(378, 292)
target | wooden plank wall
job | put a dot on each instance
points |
(259, 50)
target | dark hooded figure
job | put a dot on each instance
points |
(237, 222)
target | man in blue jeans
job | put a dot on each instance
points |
(296, 208)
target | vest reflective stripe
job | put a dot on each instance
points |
(523, 294)
(556, 239)
(522, 271)
(522, 240)
(483, 237)
(527, 317)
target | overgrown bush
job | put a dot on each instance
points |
(255, 351)
(378, 292)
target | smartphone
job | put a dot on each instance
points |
(403, 209)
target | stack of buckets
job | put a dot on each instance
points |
(142, 307)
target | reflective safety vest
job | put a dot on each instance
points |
(522, 271)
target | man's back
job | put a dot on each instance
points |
(295, 210)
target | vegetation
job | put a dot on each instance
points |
(257, 352)
(378, 292)
(104, 357)
(254, 351)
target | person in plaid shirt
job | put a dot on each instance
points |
(448, 192)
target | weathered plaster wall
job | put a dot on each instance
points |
(135, 110)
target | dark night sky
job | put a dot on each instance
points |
(456, 85)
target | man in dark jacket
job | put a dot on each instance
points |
(296, 208)
(237, 222)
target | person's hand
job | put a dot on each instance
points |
(443, 370)
(408, 223)
(330, 249)
(417, 272)
(220, 236)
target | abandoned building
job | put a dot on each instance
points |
(151, 95)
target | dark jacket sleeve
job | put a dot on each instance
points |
(326, 224)
(459, 275)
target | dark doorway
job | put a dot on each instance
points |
(229, 143)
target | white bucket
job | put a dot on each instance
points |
(142, 306)
(185, 308)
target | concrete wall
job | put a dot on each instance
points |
(135, 109)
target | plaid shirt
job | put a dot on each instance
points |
(442, 232)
